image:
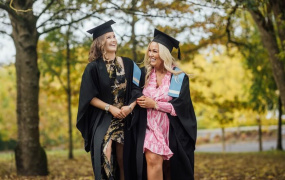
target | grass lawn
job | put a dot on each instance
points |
(208, 166)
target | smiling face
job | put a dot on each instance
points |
(110, 43)
(153, 54)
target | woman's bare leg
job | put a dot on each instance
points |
(109, 151)
(154, 166)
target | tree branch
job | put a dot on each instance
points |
(266, 23)
(46, 8)
(55, 17)
(141, 13)
(66, 24)
(279, 13)
(8, 9)
(7, 24)
(5, 33)
(228, 31)
(205, 43)
(204, 5)
(57, 75)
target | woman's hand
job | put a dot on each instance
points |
(126, 110)
(116, 112)
(146, 102)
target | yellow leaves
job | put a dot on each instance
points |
(52, 100)
(210, 166)
(222, 75)
(233, 166)
(8, 96)
(180, 6)
(60, 168)
(219, 79)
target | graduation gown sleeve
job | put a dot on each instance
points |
(88, 90)
(184, 109)
(182, 134)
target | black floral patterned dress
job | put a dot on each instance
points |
(115, 131)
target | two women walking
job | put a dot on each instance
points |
(137, 123)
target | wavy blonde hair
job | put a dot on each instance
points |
(168, 61)
(97, 48)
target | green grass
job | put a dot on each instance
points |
(4, 156)
(208, 166)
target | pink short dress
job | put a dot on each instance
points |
(157, 132)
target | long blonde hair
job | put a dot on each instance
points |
(168, 61)
(97, 48)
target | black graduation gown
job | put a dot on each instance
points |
(182, 137)
(92, 122)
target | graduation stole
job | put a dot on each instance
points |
(136, 74)
(176, 84)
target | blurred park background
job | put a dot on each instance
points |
(234, 51)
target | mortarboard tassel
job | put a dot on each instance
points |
(179, 54)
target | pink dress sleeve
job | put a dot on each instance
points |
(166, 107)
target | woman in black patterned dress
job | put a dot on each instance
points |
(107, 97)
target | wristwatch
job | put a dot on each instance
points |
(107, 107)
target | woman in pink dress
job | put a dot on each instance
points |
(170, 133)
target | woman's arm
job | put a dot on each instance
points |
(126, 110)
(146, 102)
(165, 107)
(116, 112)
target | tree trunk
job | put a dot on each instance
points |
(279, 132)
(223, 139)
(278, 8)
(133, 36)
(269, 40)
(70, 154)
(30, 156)
(259, 133)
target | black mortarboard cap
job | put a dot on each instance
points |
(166, 40)
(101, 29)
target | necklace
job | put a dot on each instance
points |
(109, 61)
